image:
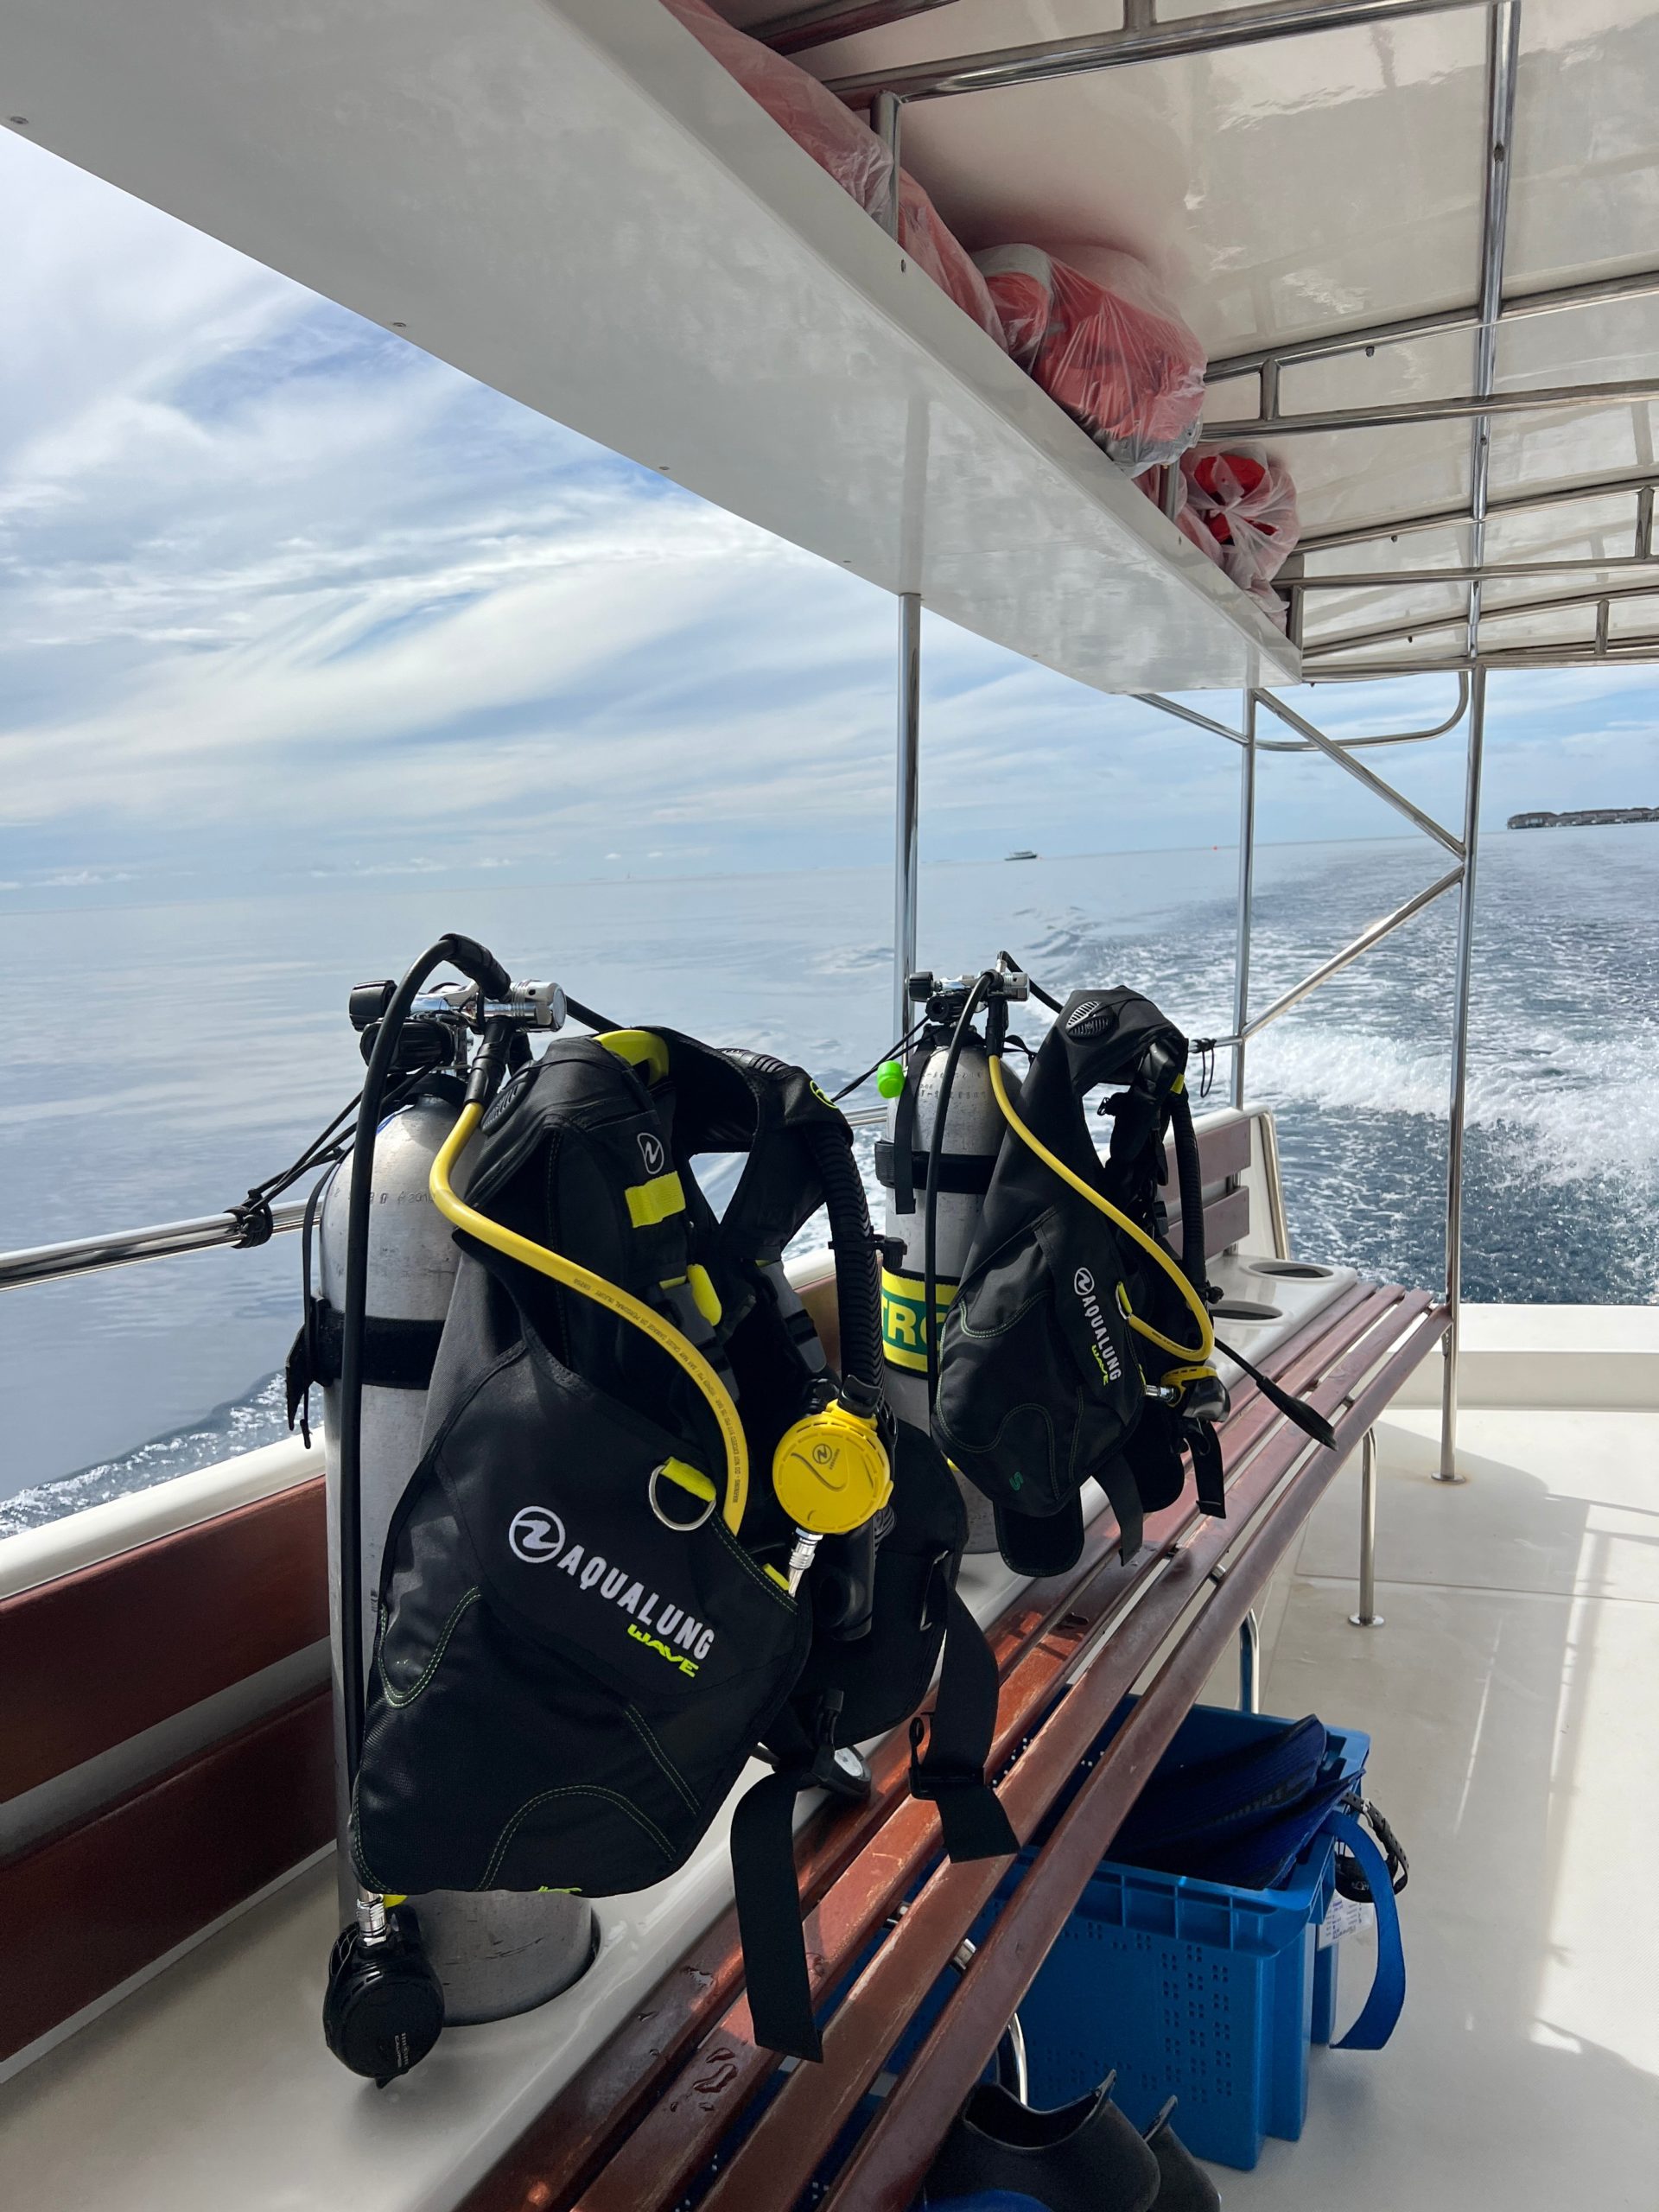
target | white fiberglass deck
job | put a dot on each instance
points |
(1510, 1698)
(1509, 1694)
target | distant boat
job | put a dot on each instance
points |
(1022, 856)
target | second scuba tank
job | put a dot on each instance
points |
(496, 1953)
(972, 1138)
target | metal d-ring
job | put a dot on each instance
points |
(680, 1527)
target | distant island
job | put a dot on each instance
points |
(1589, 817)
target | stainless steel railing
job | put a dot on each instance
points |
(124, 1248)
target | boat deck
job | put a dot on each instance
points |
(1508, 1693)
(1510, 1697)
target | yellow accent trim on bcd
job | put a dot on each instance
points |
(650, 1203)
(639, 1048)
(689, 1477)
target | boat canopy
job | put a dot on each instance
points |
(1415, 236)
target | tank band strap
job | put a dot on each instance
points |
(960, 1172)
(397, 1355)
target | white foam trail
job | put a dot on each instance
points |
(1575, 1108)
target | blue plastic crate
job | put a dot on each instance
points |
(1191, 1989)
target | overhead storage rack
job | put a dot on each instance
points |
(571, 201)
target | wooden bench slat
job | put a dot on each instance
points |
(99, 1656)
(1226, 1220)
(1224, 1151)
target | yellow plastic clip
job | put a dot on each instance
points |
(831, 1471)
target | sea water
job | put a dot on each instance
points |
(162, 1057)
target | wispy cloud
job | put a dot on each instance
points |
(280, 593)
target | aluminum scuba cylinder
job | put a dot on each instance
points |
(972, 1138)
(500, 1952)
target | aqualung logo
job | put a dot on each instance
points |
(536, 1537)
(1093, 1016)
(1106, 1356)
(651, 1151)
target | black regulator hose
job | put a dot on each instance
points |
(493, 982)
(858, 1297)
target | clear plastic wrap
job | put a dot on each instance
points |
(847, 149)
(1115, 354)
(1239, 504)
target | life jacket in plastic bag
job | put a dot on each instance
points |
(844, 146)
(1115, 355)
(1238, 504)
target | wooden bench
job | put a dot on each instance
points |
(96, 1658)
(641, 2123)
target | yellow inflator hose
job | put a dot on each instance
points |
(1200, 1352)
(614, 1299)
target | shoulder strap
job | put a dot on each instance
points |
(952, 1775)
(769, 1916)
(1382, 2009)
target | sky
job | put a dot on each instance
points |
(283, 598)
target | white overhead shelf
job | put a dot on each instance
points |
(571, 201)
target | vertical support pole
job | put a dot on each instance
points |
(1502, 64)
(1367, 1616)
(886, 112)
(1448, 1469)
(1249, 1663)
(906, 805)
(1246, 890)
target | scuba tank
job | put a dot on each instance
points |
(500, 1952)
(948, 1065)
(492, 1954)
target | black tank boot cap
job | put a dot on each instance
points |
(1083, 2156)
(1185, 2186)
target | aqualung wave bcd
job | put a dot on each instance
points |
(1079, 1345)
(590, 1612)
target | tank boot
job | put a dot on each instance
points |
(1185, 2186)
(1083, 2156)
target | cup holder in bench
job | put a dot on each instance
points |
(1243, 1309)
(1293, 1270)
